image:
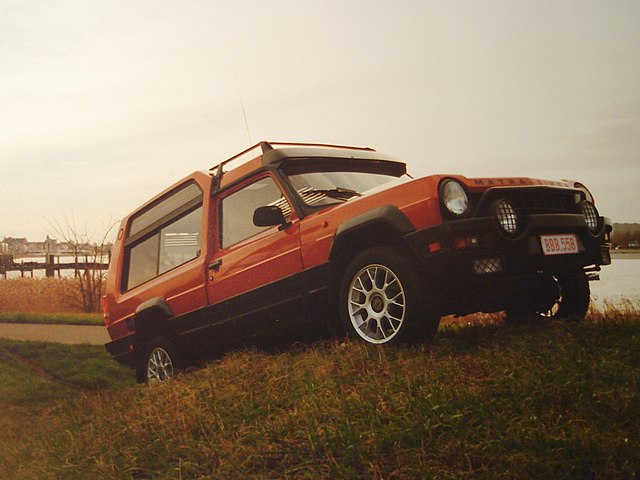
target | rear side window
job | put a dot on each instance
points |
(163, 236)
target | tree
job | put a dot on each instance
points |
(89, 282)
(625, 233)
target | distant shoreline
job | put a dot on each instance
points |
(625, 254)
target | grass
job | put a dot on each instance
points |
(485, 400)
(40, 386)
(52, 318)
(87, 367)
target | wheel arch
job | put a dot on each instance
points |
(381, 226)
(151, 324)
(152, 320)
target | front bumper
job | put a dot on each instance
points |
(475, 255)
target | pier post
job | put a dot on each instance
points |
(49, 267)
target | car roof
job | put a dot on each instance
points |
(273, 154)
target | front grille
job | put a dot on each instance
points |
(530, 200)
(544, 201)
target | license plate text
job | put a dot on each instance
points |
(559, 244)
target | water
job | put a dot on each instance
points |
(619, 283)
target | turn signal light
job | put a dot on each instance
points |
(435, 247)
(465, 242)
(105, 312)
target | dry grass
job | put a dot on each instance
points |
(554, 400)
(622, 309)
(39, 295)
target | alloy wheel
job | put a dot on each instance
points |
(376, 303)
(159, 365)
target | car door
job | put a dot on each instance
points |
(252, 286)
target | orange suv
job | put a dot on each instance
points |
(307, 238)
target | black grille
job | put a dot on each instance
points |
(531, 200)
(545, 201)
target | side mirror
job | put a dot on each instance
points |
(268, 216)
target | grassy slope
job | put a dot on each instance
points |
(557, 401)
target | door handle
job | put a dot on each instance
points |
(215, 266)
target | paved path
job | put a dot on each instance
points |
(71, 334)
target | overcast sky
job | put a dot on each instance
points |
(105, 103)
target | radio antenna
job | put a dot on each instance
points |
(244, 113)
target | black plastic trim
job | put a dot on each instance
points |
(121, 350)
(388, 214)
(154, 306)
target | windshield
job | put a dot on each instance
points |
(324, 188)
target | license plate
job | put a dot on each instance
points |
(559, 244)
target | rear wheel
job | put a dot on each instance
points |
(160, 362)
(383, 300)
(563, 296)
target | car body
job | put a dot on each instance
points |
(307, 238)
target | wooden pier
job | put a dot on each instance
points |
(51, 265)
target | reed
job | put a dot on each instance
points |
(50, 295)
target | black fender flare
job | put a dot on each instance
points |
(388, 216)
(154, 311)
(153, 306)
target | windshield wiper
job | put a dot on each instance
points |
(339, 193)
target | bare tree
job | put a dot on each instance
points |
(89, 282)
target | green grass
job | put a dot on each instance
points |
(52, 318)
(484, 401)
(41, 385)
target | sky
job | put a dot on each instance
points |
(103, 104)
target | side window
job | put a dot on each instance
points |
(238, 208)
(180, 241)
(143, 262)
(163, 236)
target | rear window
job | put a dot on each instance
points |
(163, 236)
(185, 195)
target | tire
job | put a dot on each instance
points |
(383, 300)
(565, 296)
(160, 362)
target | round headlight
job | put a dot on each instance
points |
(507, 216)
(591, 216)
(454, 198)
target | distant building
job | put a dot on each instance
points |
(16, 246)
(50, 245)
(21, 246)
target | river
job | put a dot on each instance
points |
(619, 283)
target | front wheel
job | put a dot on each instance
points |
(563, 296)
(383, 300)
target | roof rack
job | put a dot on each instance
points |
(323, 145)
(268, 146)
